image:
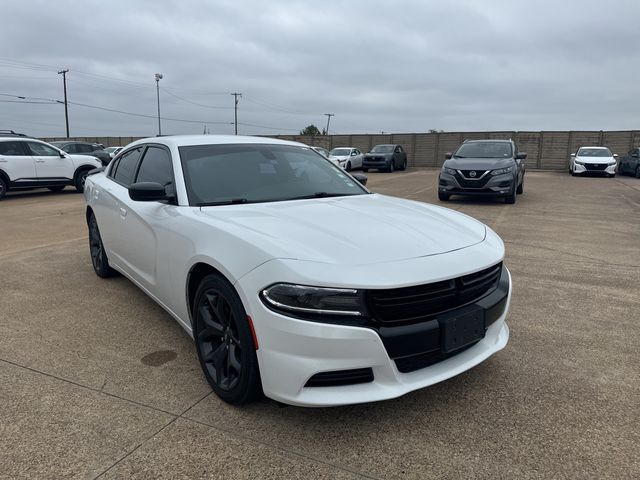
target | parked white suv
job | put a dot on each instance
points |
(27, 163)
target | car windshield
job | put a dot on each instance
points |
(484, 150)
(594, 152)
(340, 152)
(382, 149)
(110, 149)
(254, 173)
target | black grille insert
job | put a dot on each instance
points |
(420, 302)
(340, 378)
(596, 166)
(423, 360)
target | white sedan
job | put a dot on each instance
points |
(348, 158)
(598, 160)
(292, 278)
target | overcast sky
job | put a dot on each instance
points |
(392, 66)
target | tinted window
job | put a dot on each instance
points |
(12, 148)
(594, 152)
(126, 168)
(84, 148)
(156, 167)
(42, 150)
(484, 150)
(382, 149)
(246, 173)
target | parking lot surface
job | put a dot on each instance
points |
(97, 381)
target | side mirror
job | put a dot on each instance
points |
(147, 192)
(362, 179)
(448, 155)
(573, 154)
(62, 154)
(521, 156)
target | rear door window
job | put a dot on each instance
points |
(13, 148)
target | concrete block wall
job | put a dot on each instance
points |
(549, 150)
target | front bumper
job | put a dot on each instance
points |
(292, 351)
(377, 163)
(594, 168)
(498, 185)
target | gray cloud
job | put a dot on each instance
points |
(393, 66)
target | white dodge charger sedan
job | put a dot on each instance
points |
(294, 279)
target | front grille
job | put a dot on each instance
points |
(375, 159)
(467, 173)
(418, 303)
(340, 378)
(423, 360)
(466, 183)
(596, 166)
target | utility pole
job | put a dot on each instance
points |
(329, 115)
(66, 109)
(158, 78)
(235, 96)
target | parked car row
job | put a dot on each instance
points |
(387, 158)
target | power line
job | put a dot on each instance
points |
(268, 128)
(195, 103)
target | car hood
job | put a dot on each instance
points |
(478, 163)
(355, 230)
(596, 159)
(339, 157)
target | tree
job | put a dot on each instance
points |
(311, 131)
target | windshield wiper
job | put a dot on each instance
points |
(459, 156)
(233, 201)
(322, 195)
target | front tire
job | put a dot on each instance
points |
(81, 177)
(365, 170)
(444, 197)
(99, 258)
(3, 188)
(637, 173)
(348, 167)
(511, 198)
(404, 165)
(520, 189)
(224, 342)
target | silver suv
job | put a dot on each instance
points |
(483, 168)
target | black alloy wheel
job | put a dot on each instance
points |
(520, 189)
(224, 342)
(348, 166)
(511, 198)
(96, 248)
(391, 167)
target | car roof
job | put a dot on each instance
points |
(595, 148)
(350, 148)
(488, 140)
(19, 138)
(189, 140)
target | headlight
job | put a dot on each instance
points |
(612, 162)
(448, 170)
(579, 162)
(301, 300)
(502, 171)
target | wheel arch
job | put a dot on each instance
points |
(88, 213)
(5, 177)
(82, 168)
(197, 273)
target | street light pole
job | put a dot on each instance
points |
(158, 78)
(66, 111)
(235, 96)
(329, 115)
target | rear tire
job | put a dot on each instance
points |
(3, 188)
(224, 342)
(637, 172)
(404, 165)
(99, 258)
(348, 167)
(444, 197)
(81, 177)
(365, 170)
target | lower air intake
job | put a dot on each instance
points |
(340, 378)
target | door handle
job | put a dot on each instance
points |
(123, 212)
(40, 161)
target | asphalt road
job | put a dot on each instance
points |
(97, 381)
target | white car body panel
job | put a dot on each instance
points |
(341, 160)
(367, 241)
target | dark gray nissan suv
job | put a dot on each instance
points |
(483, 168)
